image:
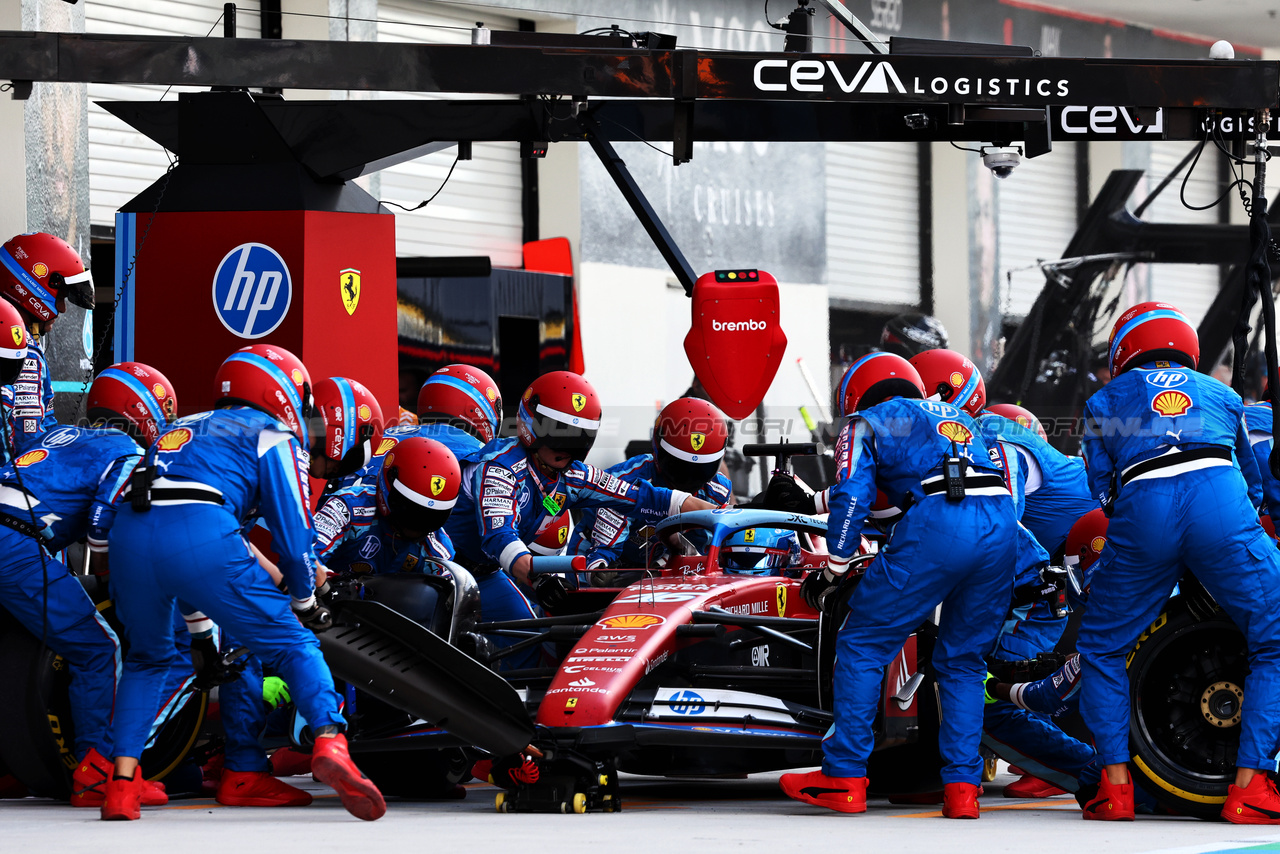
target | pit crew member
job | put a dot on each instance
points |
(1169, 457)
(63, 488)
(39, 273)
(689, 440)
(512, 486)
(955, 545)
(179, 537)
(1257, 419)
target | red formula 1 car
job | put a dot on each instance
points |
(694, 671)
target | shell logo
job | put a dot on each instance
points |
(364, 412)
(40, 270)
(18, 337)
(957, 379)
(297, 376)
(528, 393)
(158, 391)
(174, 439)
(384, 446)
(956, 432)
(30, 458)
(491, 393)
(1171, 404)
(1023, 420)
(632, 621)
(1097, 543)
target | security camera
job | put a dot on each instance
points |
(1001, 161)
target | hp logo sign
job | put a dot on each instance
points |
(688, 703)
(252, 290)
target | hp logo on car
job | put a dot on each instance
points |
(252, 290)
(688, 703)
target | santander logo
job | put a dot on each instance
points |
(738, 326)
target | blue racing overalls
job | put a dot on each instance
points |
(67, 484)
(958, 553)
(607, 538)
(215, 473)
(1167, 451)
(503, 504)
(28, 402)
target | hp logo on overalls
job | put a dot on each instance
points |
(252, 290)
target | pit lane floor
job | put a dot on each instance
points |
(659, 816)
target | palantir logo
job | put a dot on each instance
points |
(252, 290)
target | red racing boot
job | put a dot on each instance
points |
(123, 798)
(258, 789)
(1032, 787)
(331, 764)
(842, 794)
(11, 788)
(1112, 802)
(1256, 803)
(89, 782)
(960, 800)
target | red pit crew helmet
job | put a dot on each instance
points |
(13, 343)
(347, 425)
(1086, 539)
(270, 379)
(1021, 415)
(553, 536)
(135, 398)
(40, 272)
(1152, 331)
(465, 397)
(689, 439)
(950, 377)
(418, 487)
(561, 411)
(874, 378)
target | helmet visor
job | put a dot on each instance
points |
(684, 475)
(77, 289)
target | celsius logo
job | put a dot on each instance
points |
(252, 290)
(738, 326)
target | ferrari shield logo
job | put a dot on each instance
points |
(579, 401)
(697, 440)
(782, 600)
(437, 484)
(18, 337)
(563, 534)
(749, 535)
(349, 281)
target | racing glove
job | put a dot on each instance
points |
(817, 586)
(275, 692)
(783, 493)
(312, 614)
(551, 591)
(212, 668)
(988, 690)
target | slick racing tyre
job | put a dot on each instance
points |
(1186, 686)
(35, 715)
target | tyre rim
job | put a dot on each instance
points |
(1188, 705)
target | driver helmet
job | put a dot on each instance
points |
(1152, 331)
(40, 272)
(418, 487)
(689, 439)
(950, 377)
(760, 551)
(907, 335)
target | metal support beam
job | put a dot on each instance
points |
(860, 31)
(640, 206)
